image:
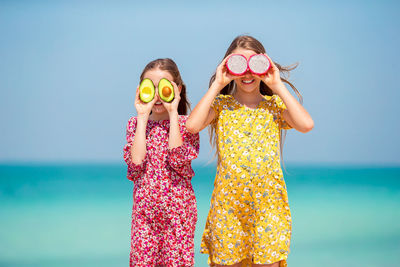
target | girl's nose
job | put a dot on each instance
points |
(156, 96)
(248, 73)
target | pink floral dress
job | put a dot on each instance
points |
(164, 210)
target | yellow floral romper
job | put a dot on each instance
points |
(249, 218)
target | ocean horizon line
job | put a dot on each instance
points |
(197, 163)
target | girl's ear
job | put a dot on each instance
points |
(180, 88)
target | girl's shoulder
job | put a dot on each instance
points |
(222, 97)
(274, 101)
(182, 126)
(182, 118)
(222, 100)
(131, 123)
(182, 122)
(132, 119)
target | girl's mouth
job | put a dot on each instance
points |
(158, 103)
(248, 81)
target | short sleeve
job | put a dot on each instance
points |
(279, 107)
(180, 158)
(217, 105)
(134, 170)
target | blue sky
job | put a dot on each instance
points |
(69, 69)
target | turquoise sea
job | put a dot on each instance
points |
(80, 215)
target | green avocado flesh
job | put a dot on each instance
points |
(165, 90)
(146, 90)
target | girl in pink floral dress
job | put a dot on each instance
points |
(158, 153)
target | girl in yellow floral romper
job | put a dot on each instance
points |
(249, 222)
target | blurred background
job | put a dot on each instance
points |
(68, 74)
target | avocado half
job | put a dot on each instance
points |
(146, 90)
(165, 90)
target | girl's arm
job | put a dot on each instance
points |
(138, 149)
(175, 137)
(134, 170)
(180, 158)
(183, 148)
(294, 114)
(202, 115)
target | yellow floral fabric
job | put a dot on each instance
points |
(249, 218)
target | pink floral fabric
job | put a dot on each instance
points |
(164, 210)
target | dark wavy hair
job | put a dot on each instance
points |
(169, 65)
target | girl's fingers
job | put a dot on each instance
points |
(174, 104)
(137, 99)
(270, 60)
(225, 71)
(222, 65)
(259, 77)
(177, 92)
(224, 61)
(137, 92)
(272, 63)
(151, 103)
(222, 76)
(221, 68)
(226, 58)
(231, 77)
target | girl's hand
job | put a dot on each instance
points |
(272, 78)
(222, 75)
(173, 106)
(143, 109)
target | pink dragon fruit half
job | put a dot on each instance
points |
(237, 64)
(259, 64)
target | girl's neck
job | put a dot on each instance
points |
(159, 116)
(250, 100)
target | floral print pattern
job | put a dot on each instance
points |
(249, 219)
(164, 210)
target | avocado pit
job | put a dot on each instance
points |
(165, 90)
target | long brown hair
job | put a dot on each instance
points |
(250, 43)
(167, 64)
